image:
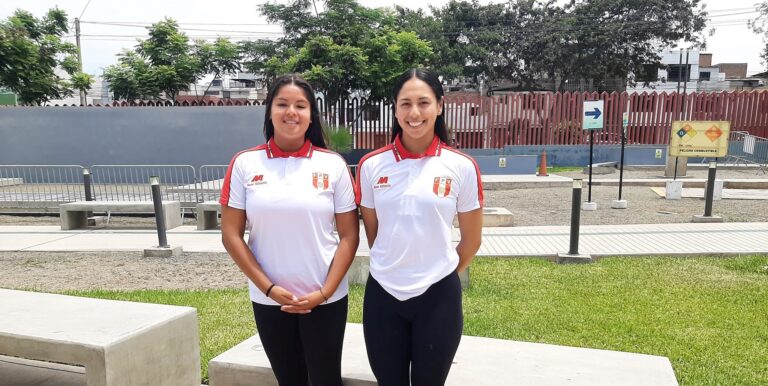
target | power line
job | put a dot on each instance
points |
(84, 8)
(148, 24)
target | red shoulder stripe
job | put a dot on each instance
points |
(225, 187)
(358, 190)
(477, 171)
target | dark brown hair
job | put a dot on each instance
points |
(433, 82)
(315, 132)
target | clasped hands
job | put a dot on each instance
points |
(296, 305)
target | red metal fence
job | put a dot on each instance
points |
(556, 118)
(546, 118)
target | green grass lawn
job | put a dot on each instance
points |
(709, 315)
(560, 169)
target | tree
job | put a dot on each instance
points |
(221, 57)
(160, 66)
(645, 28)
(525, 41)
(760, 26)
(345, 49)
(81, 82)
(130, 79)
(31, 50)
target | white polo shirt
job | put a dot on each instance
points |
(416, 198)
(290, 201)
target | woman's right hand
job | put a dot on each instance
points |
(286, 298)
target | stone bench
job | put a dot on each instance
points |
(478, 362)
(493, 217)
(208, 215)
(118, 343)
(601, 168)
(74, 215)
(10, 181)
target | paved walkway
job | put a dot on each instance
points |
(596, 240)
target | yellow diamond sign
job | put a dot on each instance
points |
(685, 140)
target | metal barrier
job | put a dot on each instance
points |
(748, 149)
(131, 183)
(40, 187)
(211, 180)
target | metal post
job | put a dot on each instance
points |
(674, 177)
(683, 70)
(87, 184)
(575, 217)
(710, 189)
(680, 67)
(157, 199)
(83, 102)
(591, 146)
(621, 167)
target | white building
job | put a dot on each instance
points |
(689, 71)
(241, 86)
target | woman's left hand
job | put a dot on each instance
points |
(311, 300)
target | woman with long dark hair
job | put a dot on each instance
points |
(409, 192)
(290, 192)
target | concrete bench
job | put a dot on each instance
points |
(601, 168)
(10, 181)
(493, 217)
(118, 343)
(74, 215)
(478, 362)
(208, 215)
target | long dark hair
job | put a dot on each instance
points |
(315, 132)
(433, 82)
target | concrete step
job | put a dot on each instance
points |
(478, 362)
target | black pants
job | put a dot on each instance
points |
(302, 347)
(420, 334)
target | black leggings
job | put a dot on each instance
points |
(420, 334)
(302, 347)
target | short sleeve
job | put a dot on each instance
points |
(471, 190)
(343, 194)
(363, 189)
(233, 188)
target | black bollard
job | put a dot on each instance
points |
(87, 184)
(710, 196)
(575, 217)
(591, 146)
(157, 199)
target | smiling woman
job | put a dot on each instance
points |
(290, 193)
(409, 192)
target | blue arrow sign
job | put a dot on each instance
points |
(594, 114)
(592, 118)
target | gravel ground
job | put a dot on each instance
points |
(48, 271)
(59, 271)
(552, 206)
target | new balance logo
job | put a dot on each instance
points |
(256, 180)
(382, 182)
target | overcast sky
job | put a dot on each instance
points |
(238, 19)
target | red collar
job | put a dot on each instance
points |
(402, 153)
(274, 151)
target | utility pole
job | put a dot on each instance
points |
(83, 102)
